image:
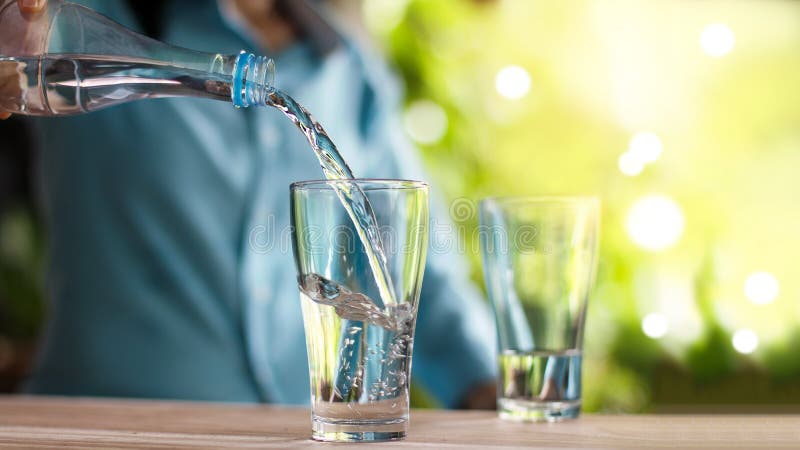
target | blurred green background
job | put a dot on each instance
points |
(682, 116)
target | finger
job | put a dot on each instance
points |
(4, 115)
(31, 6)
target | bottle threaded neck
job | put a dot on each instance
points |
(253, 79)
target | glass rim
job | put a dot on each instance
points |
(367, 184)
(545, 200)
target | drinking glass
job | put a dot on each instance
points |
(359, 338)
(539, 261)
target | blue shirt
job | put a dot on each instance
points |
(170, 268)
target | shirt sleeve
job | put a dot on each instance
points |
(454, 343)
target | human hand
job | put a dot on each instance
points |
(9, 76)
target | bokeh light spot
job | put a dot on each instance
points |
(655, 325)
(629, 164)
(655, 222)
(745, 341)
(645, 146)
(761, 288)
(717, 39)
(425, 122)
(512, 82)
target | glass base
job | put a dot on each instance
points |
(358, 430)
(532, 411)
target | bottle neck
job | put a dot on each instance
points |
(253, 79)
(244, 79)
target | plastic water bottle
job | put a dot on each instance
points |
(68, 59)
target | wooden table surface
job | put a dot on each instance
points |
(57, 422)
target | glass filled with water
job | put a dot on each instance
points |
(539, 260)
(359, 279)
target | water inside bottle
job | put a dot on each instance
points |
(62, 84)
